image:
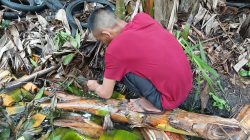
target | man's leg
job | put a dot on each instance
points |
(151, 97)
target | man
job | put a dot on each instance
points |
(145, 57)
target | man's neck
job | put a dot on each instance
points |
(119, 27)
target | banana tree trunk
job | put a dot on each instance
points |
(177, 121)
(244, 119)
(84, 127)
(153, 134)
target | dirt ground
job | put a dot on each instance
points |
(235, 95)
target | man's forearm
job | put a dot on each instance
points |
(105, 90)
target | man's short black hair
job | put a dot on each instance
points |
(93, 18)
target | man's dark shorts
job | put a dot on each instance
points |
(143, 88)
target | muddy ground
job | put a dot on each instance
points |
(235, 95)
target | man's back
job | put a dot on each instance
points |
(146, 49)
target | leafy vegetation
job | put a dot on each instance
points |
(62, 37)
(5, 24)
(203, 70)
(120, 135)
(68, 58)
(72, 89)
(120, 9)
(148, 6)
(245, 72)
(40, 93)
(218, 102)
(66, 134)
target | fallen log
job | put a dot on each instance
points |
(177, 121)
(214, 127)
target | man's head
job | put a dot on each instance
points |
(104, 25)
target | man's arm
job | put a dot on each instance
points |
(105, 90)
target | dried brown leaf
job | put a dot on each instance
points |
(38, 119)
(30, 87)
(162, 11)
(61, 16)
(4, 73)
(79, 26)
(3, 40)
(1, 16)
(4, 62)
(7, 99)
(173, 16)
(200, 15)
(49, 47)
(213, 4)
(43, 22)
(136, 10)
(244, 118)
(210, 23)
(5, 76)
(186, 5)
(17, 41)
(240, 64)
(245, 28)
(5, 48)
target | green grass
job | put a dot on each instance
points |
(203, 71)
(245, 72)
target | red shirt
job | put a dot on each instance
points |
(148, 50)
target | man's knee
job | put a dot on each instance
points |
(129, 82)
(144, 88)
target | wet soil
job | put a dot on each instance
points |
(235, 95)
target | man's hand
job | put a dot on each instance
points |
(92, 85)
(105, 90)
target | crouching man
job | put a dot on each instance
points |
(145, 57)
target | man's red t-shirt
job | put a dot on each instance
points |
(148, 50)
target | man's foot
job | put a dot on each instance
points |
(142, 105)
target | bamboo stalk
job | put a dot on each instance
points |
(177, 121)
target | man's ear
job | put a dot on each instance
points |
(106, 32)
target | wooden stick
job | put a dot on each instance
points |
(23, 80)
